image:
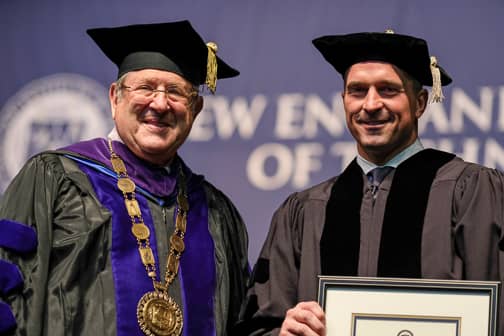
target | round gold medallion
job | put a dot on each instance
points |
(159, 315)
(141, 231)
(177, 243)
(125, 184)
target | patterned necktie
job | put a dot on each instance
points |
(376, 176)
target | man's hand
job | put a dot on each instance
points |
(21, 239)
(305, 319)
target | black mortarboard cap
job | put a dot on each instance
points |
(408, 53)
(172, 46)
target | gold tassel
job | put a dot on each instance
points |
(211, 76)
(437, 93)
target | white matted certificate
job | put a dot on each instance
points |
(357, 306)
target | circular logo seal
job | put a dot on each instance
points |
(49, 113)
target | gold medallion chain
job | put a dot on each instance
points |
(157, 312)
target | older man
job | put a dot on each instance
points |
(398, 210)
(118, 236)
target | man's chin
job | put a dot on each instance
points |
(155, 149)
(156, 156)
(376, 147)
(155, 129)
(374, 142)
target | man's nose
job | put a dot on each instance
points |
(373, 101)
(160, 100)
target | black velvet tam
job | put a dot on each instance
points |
(172, 46)
(409, 53)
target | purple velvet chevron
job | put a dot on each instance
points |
(7, 320)
(10, 278)
(17, 237)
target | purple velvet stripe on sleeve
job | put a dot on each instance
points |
(17, 237)
(130, 277)
(197, 268)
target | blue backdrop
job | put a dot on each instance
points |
(277, 128)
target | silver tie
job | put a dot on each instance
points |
(376, 176)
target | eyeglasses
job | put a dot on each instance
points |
(173, 93)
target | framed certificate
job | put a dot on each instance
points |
(357, 306)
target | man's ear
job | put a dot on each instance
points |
(113, 98)
(197, 105)
(421, 102)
